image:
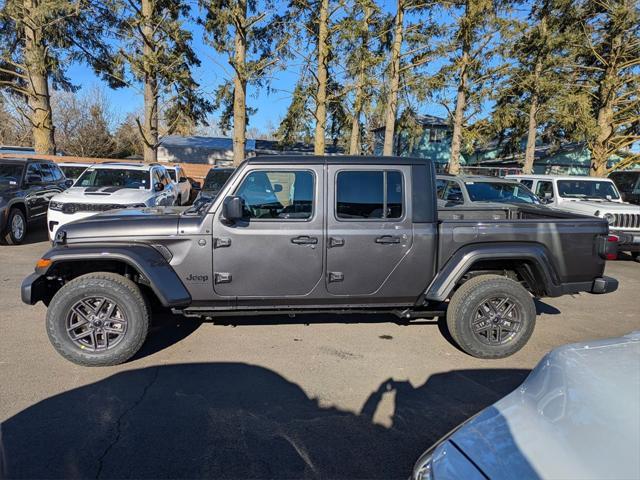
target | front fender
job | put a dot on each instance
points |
(145, 259)
(461, 261)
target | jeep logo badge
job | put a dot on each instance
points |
(197, 278)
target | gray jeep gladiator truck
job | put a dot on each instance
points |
(316, 234)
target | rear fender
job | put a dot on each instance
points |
(463, 260)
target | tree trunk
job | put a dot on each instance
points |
(394, 81)
(355, 144)
(530, 152)
(321, 95)
(150, 128)
(240, 87)
(458, 117)
(39, 99)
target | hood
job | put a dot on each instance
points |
(575, 416)
(126, 224)
(101, 195)
(603, 205)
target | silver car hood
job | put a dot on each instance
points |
(577, 415)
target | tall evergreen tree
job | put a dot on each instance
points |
(38, 40)
(608, 72)
(249, 35)
(469, 47)
(535, 83)
(156, 52)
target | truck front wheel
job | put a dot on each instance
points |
(491, 316)
(98, 319)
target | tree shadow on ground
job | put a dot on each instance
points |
(233, 420)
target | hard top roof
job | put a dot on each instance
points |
(127, 165)
(559, 177)
(474, 178)
(336, 159)
(23, 159)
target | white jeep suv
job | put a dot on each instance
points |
(590, 196)
(109, 186)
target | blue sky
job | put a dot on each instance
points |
(213, 70)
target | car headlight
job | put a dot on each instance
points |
(609, 217)
(57, 206)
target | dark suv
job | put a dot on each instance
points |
(26, 186)
(629, 185)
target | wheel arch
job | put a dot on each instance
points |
(142, 263)
(531, 262)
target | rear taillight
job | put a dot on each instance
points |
(611, 252)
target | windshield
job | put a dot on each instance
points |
(500, 192)
(599, 189)
(216, 178)
(72, 172)
(111, 177)
(10, 175)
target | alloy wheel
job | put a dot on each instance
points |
(96, 324)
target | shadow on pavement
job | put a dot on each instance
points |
(542, 307)
(166, 330)
(233, 420)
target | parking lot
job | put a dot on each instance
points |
(269, 397)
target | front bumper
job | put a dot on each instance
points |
(628, 241)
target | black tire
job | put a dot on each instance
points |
(11, 235)
(475, 316)
(130, 314)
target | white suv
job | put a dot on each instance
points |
(589, 196)
(108, 186)
(181, 182)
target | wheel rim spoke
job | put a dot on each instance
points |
(96, 323)
(497, 320)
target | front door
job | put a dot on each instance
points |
(369, 227)
(277, 249)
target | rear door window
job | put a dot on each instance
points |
(369, 195)
(47, 173)
(544, 188)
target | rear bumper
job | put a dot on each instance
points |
(604, 285)
(627, 241)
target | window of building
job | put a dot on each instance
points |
(362, 194)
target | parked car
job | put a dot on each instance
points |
(467, 190)
(72, 170)
(182, 184)
(309, 234)
(26, 186)
(213, 182)
(590, 196)
(109, 186)
(628, 183)
(16, 150)
(576, 415)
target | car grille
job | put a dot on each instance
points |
(626, 220)
(90, 207)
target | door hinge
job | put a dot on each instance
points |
(221, 277)
(336, 277)
(221, 242)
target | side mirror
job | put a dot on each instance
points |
(68, 182)
(277, 188)
(34, 178)
(158, 186)
(232, 208)
(182, 180)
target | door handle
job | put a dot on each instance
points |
(304, 240)
(335, 242)
(387, 239)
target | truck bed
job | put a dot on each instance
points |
(558, 232)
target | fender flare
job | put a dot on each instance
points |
(148, 261)
(464, 258)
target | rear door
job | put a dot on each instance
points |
(276, 251)
(369, 227)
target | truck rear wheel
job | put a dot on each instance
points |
(491, 316)
(98, 319)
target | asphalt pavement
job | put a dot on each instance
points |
(319, 396)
